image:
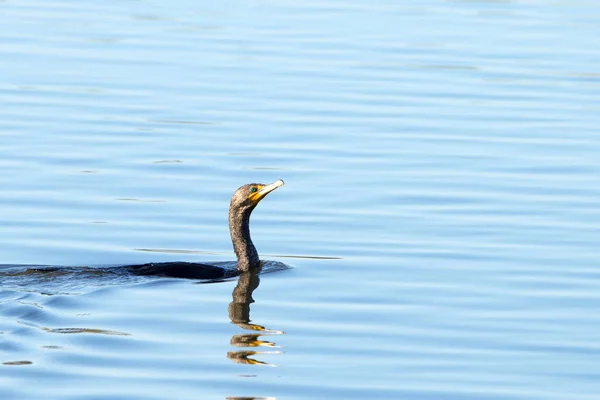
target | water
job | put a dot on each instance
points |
(439, 219)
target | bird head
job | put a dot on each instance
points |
(248, 196)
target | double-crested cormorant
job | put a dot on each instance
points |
(243, 201)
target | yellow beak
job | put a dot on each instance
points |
(257, 196)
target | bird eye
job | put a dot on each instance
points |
(253, 190)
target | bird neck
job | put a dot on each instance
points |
(239, 228)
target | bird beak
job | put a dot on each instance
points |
(265, 190)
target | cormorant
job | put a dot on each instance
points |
(243, 201)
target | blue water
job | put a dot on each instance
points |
(438, 226)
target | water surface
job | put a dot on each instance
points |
(440, 215)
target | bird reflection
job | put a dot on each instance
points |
(239, 313)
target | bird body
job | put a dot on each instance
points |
(181, 269)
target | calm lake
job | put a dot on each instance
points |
(437, 236)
